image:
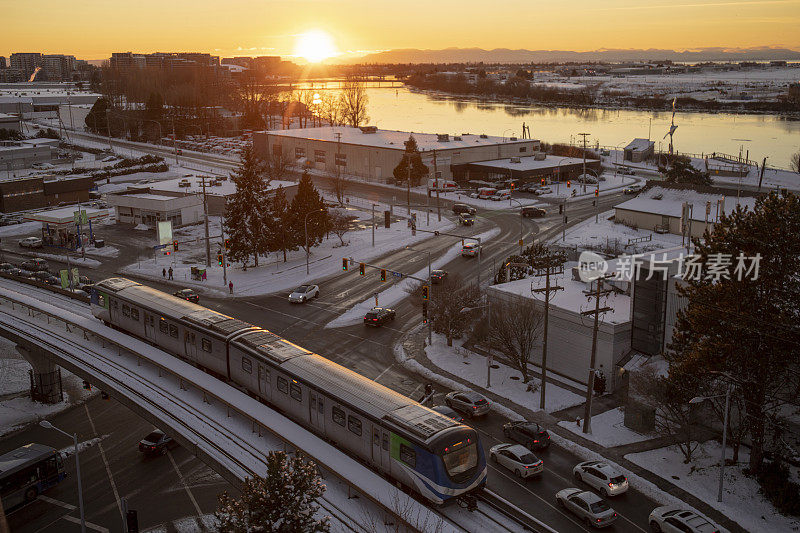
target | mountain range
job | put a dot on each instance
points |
(505, 55)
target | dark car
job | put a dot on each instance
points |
(187, 294)
(42, 275)
(24, 273)
(5, 267)
(438, 275)
(466, 219)
(529, 434)
(463, 208)
(535, 212)
(35, 265)
(378, 316)
(448, 412)
(155, 443)
(14, 271)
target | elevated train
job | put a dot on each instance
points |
(425, 451)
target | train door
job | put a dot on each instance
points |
(113, 310)
(263, 382)
(316, 408)
(149, 326)
(380, 447)
(189, 345)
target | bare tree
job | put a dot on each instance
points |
(330, 108)
(448, 300)
(794, 162)
(354, 101)
(515, 331)
(339, 184)
(340, 224)
(276, 165)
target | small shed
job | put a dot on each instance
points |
(639, 150)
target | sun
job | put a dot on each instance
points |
(314, 46)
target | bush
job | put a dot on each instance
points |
(778, 488)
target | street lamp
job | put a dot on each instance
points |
(521, 224)
(305, 226)
(47, 425)
(558, 173)
(488, 338)
(727, 395)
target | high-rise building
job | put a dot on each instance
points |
(58, 67)
(3, 62)
(27, 62)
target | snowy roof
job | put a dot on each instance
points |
(672, 200)
(147, 196)
(225, 188)
(393, 139)
(8, 118)
(529, 163)
(65, 215)
(639, 145)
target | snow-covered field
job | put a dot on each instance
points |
(741, 500)
(608, 430)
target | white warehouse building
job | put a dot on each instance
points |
(146, 208)
(373, 154)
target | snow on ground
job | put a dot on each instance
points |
(464, 198)
(20, 229)
(83, 445)
(741, 500)
(608, 430)
(272, 274)
(612, 184)
(399, 291)
(76, 261)
(14, 376)
(105, 251)
(472, 367)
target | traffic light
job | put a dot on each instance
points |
(361, 268)
(227, 244)
(175, 245)
(344, 264)
(424, 312)
(87, 385)
(425, 292)
(219, 259)
(512, 185)
(168, 252)
(383, 274)
(569, 183)
(596, 192)
(542, 182)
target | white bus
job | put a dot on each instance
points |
(27, 472)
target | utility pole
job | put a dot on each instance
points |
(583, 181)
(108, 130)
(587, 415)
(761, 176)
(564, 229)
(205, 217)
(408, 185)
(435, 170)
(549, 269)
(224, 255)
(339, 192)
(174, 141)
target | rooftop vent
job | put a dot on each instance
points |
(484, 136)
(369, 129)
(539, 156)
(515, 160)
(442, 137)
(513, 138)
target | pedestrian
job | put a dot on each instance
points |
(170, 272)
(163, 272)
(230, 286)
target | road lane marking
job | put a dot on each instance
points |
(385, 370)
(65, 505)
(185, 485)
(89, 525)
(105, 462)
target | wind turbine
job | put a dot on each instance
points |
(672, 126)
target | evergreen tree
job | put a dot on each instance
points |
(307, 201)
(413, 158)
(284, 501)
(279, 225)
(746, 328)
(155, 106)
(247, 212)
(682, 171)
(96, 119)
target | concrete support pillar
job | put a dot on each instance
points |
(45, 375)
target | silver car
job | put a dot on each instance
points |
(601, 476)
(303, 293)
(676, 520)
(30, 242)
(517, 458)
(590, 507)
(468, 402)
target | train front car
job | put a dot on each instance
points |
(452, 465)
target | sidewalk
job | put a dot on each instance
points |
(412, 346)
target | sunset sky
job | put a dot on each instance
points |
(92, 29)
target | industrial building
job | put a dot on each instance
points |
(639, 150)
(17, 154)
(133, 207)
(10, 122)
(373, 154)
(42, 191)
(522, 170)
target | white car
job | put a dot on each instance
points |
(470, 249)
(31, 242)
(593, 509)
(42, 166)
(542, 190)
(303, 293)
(676, 520)
(517, 458)
(601, 476)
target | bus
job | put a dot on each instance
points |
(27, 472)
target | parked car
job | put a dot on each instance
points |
(459, 209)
(601, 476)
(42, 275)
(14, 271)
(448, 412)
(31, 242)
(529, 434)
(529, 187)
(42, 166)
(535, 212)
(378, 316)
(187, 294)
(633, 189)
(36, 264)
(517, 458)
(155, 443)
(593, 509)
(303, 293)
(676, 520)
(470, 249)
(53, 280)
(542, 190)
(466, 219)
(5, 267)
(438, 275)
(470, 403)
(627, 171)
(23, 273)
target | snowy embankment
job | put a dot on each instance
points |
(398, 291)
(608, 430)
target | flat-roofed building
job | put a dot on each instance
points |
(520, 170)
(10, 122)
(639, 150)
(136, 208)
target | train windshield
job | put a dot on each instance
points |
(460, 457)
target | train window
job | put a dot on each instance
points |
(376, 437)
(126, 310)
(206, 344)
(385, 442)
(320, 405)
(354, 425)
(247, 365)
(162, 326)
(101, 300)
(116, 304)
(408, 455)
(338, 416)
(283, 385)
(135, 314)
(173, 330)
(313, 403)
(296, 392)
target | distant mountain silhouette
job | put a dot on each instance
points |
(505, 55)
